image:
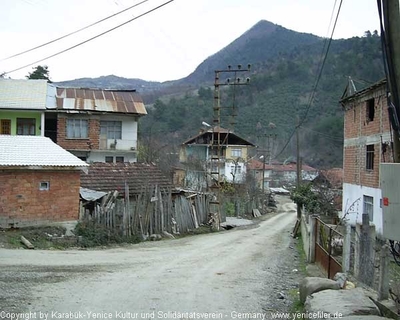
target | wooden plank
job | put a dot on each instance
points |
(27, 243)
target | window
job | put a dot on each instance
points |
(119, 159)
(236, 153)
(44, 185)
(370, 109)
(236, 169)
(109, 159)
(5, 126)
(370, 157)
(111, 129)
(77, 129)
(26, 126)
(369, 207)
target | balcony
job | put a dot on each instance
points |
(118, 144)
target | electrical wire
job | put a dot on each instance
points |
(322, 65)
(90, 39)
(74, 32)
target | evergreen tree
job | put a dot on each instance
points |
(39, 72)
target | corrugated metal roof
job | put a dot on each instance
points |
(17, 151)
(23, 94)
(121, 101)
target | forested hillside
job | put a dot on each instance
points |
(279, 90)
(284, 71)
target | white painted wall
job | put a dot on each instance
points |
(239, 176)
(99, 156)
(354, 194)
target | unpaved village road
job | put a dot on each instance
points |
(225, 274)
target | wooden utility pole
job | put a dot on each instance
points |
(217, 144)
(298, 164)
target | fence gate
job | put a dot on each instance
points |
(328, 248)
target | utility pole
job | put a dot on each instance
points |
(268, 138)
(217, 157)
(298, 164)
(392, 26)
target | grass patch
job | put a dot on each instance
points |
(40, 237)
(297, 306)
(93, 235)
(302, 255)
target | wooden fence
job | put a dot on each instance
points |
(154, 211)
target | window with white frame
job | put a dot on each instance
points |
(236, 153)
(77, 128)
(44, 185)
(111, 129)
(236, 169)
(368, 204)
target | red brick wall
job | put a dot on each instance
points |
(91, 143)
(356, 126)
(22, 201)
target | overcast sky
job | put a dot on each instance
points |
(166, 44)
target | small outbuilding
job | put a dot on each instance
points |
(39, 182)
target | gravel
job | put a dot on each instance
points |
(232, 273)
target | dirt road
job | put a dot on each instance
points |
(230, 275)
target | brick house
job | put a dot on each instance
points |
(367, 144)
(96, 125)
(39, 181)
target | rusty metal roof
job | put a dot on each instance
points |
(119, 101)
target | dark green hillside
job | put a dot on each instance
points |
(262, 42)
(278, 93)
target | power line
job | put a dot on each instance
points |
(74, 32)
(90, 39)
(316, 82)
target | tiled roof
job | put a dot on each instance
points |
(334, 176)
(121, 101)
(23, 94)
(112, 176)
(20, 151)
